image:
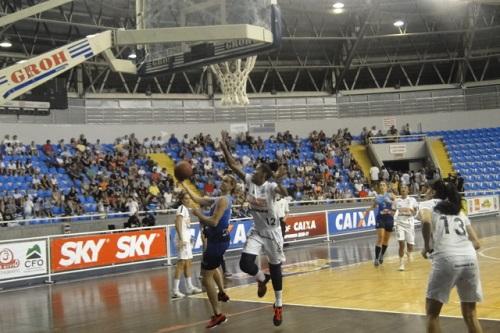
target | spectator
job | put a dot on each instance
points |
(28, 207)
(374, 175)
(48, 149)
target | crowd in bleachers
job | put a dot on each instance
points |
(79, 177)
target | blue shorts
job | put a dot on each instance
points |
(384, 221)
(213, 255)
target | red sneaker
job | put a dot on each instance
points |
(222, 297)
(216, 320)
(278, 315)
(261, 286)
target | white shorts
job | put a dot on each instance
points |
(405, 233)
(459, 271)
(271, 246)
(184, 252)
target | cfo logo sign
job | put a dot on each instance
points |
(34, 257)
(23, 259)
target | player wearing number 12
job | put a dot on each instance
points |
(454, 259)
(265, 234)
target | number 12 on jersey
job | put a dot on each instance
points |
(271, 221)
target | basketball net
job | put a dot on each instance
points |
(233, 76)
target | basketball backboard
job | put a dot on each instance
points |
(223, 19)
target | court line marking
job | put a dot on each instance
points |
(359, 309)
(229, 315)
(481, 253)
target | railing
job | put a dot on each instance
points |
(396, 138)
(51, 256)
(189, 110)
(105, 216)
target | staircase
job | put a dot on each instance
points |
(443, 160)
(360, 154)
(164, 161)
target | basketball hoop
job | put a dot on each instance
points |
(233, 76)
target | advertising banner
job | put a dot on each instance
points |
(482, 205)
(23, 259)
(71, 253)
(305, 226)
(345, 221)
(238, 236)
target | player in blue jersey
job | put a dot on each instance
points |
(384, 221)
(215, 226)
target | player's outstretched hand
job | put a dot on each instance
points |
(280, 173)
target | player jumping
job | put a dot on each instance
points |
(265, 234)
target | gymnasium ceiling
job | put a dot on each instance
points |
(441, 42)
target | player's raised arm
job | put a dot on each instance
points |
(236, 167)
(278, 176)
(202, 201)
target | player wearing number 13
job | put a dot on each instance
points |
(266, 232)
(454, 259)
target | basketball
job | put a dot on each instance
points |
(183, 170)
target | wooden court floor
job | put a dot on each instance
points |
(361, 286)
(328, 287)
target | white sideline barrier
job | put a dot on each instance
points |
(49, 256)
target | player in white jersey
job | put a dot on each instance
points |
(265, 235)
(454, 259)
(184, 248)
(406, 207)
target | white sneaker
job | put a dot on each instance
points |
(401, 267)
(194, 290)
(177, 294)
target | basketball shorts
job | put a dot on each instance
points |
(459, 271)
(385, 221)
(185, 252)
(270, 244)
(213, 255)
(405, 233)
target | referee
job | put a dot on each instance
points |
(282, 210)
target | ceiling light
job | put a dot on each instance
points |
(399, 23)
(338, 5)
(338, 10)
(21, 61)
(132, 55)
(5, 43)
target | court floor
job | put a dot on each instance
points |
(328, 287)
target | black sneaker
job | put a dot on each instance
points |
(222, 297)
(261, 286)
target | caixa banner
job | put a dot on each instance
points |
(22, 259)
(348, 220)
(304, 226)
(238, 236)
(80, 252)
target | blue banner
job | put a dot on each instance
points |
(344, 221)
(238, 236)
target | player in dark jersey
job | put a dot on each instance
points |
(215, 227)
(384, 221)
